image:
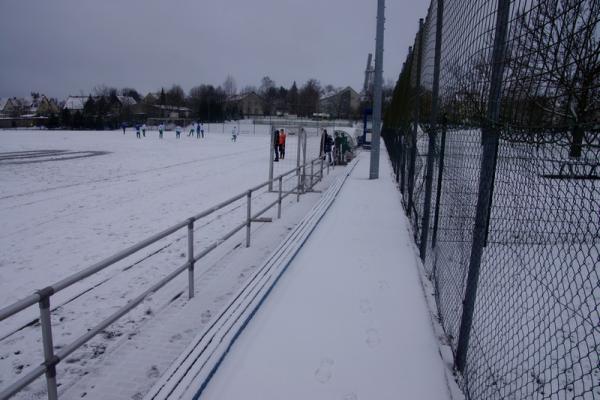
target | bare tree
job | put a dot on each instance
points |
(229, 86)
(555, 63)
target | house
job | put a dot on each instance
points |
(15, 107)
(3, 102)
(246, 104)
(75, 103)
(172, 112)
(45, 107)
(342, 104)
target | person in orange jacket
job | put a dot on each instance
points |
(282, 136)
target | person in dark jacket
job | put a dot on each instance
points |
(328, 142)
(337, 142)
(276, 144)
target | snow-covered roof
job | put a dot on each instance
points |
(3, 102)
(127, 100)
(332, 94)
(75, 102)
(172, 108)
(242, 96)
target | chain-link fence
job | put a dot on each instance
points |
(494, 136)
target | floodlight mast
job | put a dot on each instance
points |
(374, 167)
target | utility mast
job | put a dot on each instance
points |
(367, 91)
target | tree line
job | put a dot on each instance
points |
(104, 107)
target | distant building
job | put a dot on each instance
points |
(15, 107)
(246, 104)
(45, 107)
(75, 103)
(172, 112)
(342, 104)
(3, 102)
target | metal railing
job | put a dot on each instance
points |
(305, 183)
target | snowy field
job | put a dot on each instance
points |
(70, 199)
(536, 322)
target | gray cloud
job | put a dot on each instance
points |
(67, 46)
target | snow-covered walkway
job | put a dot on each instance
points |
(348, 319)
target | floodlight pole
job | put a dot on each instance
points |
(374, 171)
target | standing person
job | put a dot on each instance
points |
(322, 145)
(177, 131)
(327, 143)
(338, 148)
(282, 137)
(202, 129)
(137, 131)
(144, 130)
(123, 126)
(191, 132)
(198, 129)
(234, 134)
(276, 144)
(161, 129)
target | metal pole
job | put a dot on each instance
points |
(298, 186)
(248, 216)
(321, 174)
(374, 167)
(438, 194)
(490, 137)
(432, 130)
(271, 156)
(191, 257)
(279, 201)
(415, 128)
(312, 171)
(49, 358)
(304, 140)
(298, 150)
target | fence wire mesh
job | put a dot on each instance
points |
(503, 132)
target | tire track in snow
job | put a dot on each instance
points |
(130, 174)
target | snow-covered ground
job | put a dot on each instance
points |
(69, 199)
(348, 319)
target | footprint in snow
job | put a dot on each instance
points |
(153, 372)
(350, 396)
(323, 373)
(383, 285)
(365, 306)
(372, 338)
(205, 316)
(175, 337)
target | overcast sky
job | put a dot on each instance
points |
(63, 47)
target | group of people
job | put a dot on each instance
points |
(279, 137)
(195, 128)
(338, 146)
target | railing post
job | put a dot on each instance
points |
(279, 200)
(490, 137)
(298, 186)
(321, 174)
(248, 217)
(49, 359)
(190, 257)
(271, 155)
(312, 172)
